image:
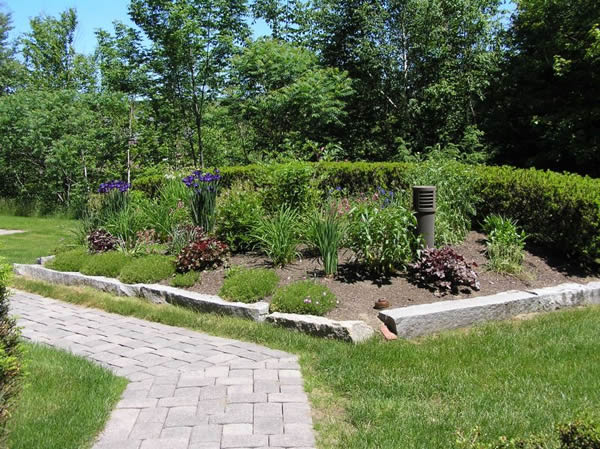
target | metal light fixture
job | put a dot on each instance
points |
(424, 207)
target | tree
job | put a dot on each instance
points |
(545, 110)
(10, 69)
(193, 41)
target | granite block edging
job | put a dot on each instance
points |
(350, 331)
(424, 319)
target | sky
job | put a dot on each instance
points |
(91, 14)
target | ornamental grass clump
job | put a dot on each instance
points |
(304, 297)
(326, 230)
(505, 245)
(204, 198)
(277, 236)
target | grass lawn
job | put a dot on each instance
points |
(42, 237)
(514, 378)
(65, 403)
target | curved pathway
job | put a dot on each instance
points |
(187, 390)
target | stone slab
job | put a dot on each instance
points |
(414, 321)
(352, 331)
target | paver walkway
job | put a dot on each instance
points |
(187, 390)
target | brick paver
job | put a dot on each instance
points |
(187, 390)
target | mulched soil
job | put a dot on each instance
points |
(357, 294)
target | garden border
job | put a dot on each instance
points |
(351, 331)
(415, 321)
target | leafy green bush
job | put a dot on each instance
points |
(147, 269)
(277, 236)
(11, 357)
(238, 210)
(183, 280)
(305, 297)
(326, 231)
(505, 244)
(107, 264)
(72, 260)
(383, 238)
(580, 434)
(249, 284)
(289, 186)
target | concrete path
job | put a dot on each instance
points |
(10, 231)
(187, 390)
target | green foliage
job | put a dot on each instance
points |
(238, 209)
(580, 434)
(383, 238)
(505, 244)
(289, 185)
(107, 264)
(184, 280)
(248, 284)
(326, 231)
(10, 352)
(304, 297)
(277, 235)
(125, 224)
(147, 269)
(169, 208)
(72, 260)
(182, 235)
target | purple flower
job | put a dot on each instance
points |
(109, 186)
(202, 181)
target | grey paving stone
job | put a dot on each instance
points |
(188, 390)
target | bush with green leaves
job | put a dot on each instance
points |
(107, 264)
(277, 235)
(147, 269)
(238, 210)
(248, 284)
(383, 238)
(289, 185)
(505, 245)
(326, 230)
(72, 260)
(202, 254)
(304, 297)
(11, 354)
(185, 280)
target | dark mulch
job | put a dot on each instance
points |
(357, 293)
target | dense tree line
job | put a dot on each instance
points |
(379, 80)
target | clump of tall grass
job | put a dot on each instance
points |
(277, 235)
(505, 245)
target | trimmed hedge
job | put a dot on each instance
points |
(560, 211)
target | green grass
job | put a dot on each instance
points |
(249, 284)
(65, 403)
(42, 237)
(514, 378)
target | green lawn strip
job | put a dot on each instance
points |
(514, 378)
(65, 403)
(42, 236)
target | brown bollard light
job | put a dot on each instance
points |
(424, 207)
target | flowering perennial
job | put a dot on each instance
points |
(109, 186)
(203, 202)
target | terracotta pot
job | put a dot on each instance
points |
(382, 303)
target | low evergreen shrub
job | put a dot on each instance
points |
(107, 264)
(185, 280)
(249, 284)
(304, 297)
(72, 260)
(147, 270)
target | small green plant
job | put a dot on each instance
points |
(238, 209)
(249, 284)
(169, 210)
(147, 269)
(505, 244)
(304, 297)
(107, 264)
(326, 230)
(203, 253)
(383, 238)
(182, 235)
(185, 280)
(204, 197)
(277, 236)
(124, 225)
(72, 260)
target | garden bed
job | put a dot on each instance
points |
(357, 294)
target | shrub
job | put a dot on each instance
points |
(204, 197)
(181, 236)
(277, 236)
(202, 254)
(383, 238)
(305, 297)
(249, 284)
(11, 357)
(505, 244)
(289, 186)
(238, 210)
(169, 209)
(147, 269)
(183, 280)
(100, 241)
(580, 434)
(325, 231)
(443, 270)
(72, 260)
(105, 264)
